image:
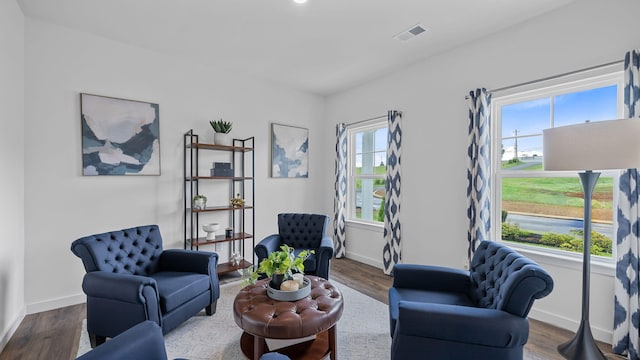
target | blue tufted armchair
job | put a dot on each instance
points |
(455, 314)
(142, 341)
(130, 279)
(302, 231)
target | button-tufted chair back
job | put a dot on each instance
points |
(134, 251)
(302, 231)
(502, 279)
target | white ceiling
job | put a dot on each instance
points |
(323, 47)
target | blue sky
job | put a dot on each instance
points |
(531, 117)
(380, 145)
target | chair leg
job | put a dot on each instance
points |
(211, 309)
(96, 340)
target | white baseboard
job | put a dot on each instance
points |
(4, 340)
(56, 303)
(365, 260)
(604, 335)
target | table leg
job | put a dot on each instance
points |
(332, 343)
(258, 347)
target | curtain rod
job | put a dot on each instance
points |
(361, 121)
(554, 77)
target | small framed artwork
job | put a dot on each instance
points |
(119, 137)
(289, 151)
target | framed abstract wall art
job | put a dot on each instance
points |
(119, 137)
(289, 151)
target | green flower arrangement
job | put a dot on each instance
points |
(283, 262)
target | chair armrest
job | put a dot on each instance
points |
(121, 287)
(326, 246)
(268, 245)
(201, 262)
(461, 324)
(323, 257)
(142, 341)
(427, 277)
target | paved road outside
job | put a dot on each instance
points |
(561, 226)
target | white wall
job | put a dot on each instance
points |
(431, 96)
(62, 205)
(11, 169)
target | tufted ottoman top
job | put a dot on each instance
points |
(259, 315)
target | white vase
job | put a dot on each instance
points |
(222, 139)
(199, 204)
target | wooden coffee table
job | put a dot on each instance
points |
(264, 318)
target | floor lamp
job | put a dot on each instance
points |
(600, 145)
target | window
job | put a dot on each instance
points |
(367, 158)
(540, 208)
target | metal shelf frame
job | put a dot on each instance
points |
(241, 152)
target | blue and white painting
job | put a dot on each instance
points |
(289, 151)
(119, 137)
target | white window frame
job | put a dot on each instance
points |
(351, 176)
(591, 79)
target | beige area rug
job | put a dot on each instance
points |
(363, 330)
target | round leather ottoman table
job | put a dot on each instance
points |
(262, 317)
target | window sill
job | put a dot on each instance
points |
(599, 265)
(365, 225)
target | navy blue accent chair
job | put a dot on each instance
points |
(302, 232)
(142, 341)
(130, 279)
(445, 313)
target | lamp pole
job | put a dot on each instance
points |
(583, 346)
(516, 143)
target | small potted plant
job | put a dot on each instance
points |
(221, 131)
(199, 202)
(279, 265)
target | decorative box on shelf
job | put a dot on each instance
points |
(222, 169)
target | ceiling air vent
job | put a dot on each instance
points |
(410, 33)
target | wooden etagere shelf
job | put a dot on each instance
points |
(229, 267)
(234, 178)
(221, 208)
(242, 158)
(233, 148)
(222, 239)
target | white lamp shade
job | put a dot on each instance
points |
(599, 145)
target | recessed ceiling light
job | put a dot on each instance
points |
(299, 1)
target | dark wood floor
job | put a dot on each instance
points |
(55, 334)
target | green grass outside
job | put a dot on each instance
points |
(377, 170)
(537, 167)
(511, 163)
(553, 191)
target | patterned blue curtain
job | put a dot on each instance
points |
(627, 303)
(391, 251)
(479, 169)
(340, 200)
